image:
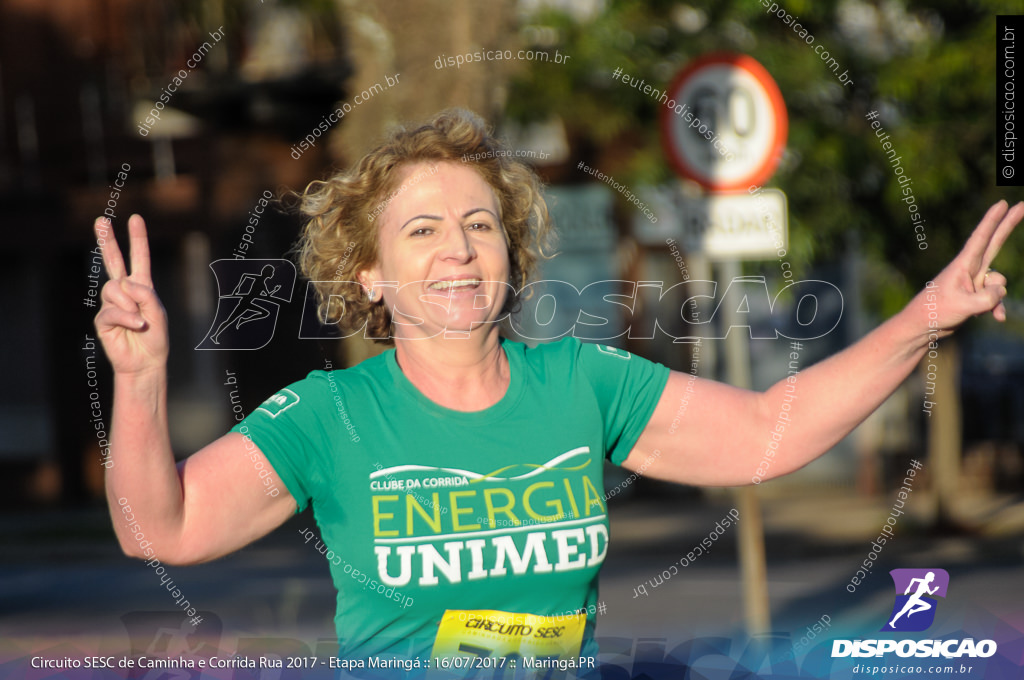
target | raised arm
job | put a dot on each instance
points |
(723, 438)
(213, 502)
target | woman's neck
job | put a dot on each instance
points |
(466, 373)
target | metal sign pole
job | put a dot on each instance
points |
(753, 567)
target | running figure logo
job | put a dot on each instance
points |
(258, 288)
(914, 609)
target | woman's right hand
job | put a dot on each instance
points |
(131, 324)
(213, 502)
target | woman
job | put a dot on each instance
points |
(456, 479)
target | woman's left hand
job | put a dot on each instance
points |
(728, 433)
(966, 287)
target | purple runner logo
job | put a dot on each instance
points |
(916, 589)
(258, 289)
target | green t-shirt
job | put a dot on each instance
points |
(424, 509)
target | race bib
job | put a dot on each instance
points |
(487, 633)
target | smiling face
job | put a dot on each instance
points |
(443, 253)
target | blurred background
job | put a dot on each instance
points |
(78, 79)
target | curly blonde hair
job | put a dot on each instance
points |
(340, 238)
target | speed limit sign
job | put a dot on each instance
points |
(724, 125)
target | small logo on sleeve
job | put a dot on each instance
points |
(279, 403)
(614, 351)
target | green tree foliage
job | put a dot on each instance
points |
(928, 68)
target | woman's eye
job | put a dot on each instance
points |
(422, 231)
(480, 226)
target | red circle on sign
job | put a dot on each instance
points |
(778, 138)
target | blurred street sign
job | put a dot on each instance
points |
(664, 204)
(583, 217)
(587, 249)
(739, 226)
(728, 126)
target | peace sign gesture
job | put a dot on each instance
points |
(131, 324)
(966, 287)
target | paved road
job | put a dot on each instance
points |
(63, 580)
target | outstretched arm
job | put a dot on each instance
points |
(731, 436)
(211, 503)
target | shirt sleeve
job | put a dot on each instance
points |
(628, 389)
(289, 428)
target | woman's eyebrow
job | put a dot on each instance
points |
(476, 210)
(438, 217)
(425, 217)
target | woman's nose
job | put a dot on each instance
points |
(457, 245)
